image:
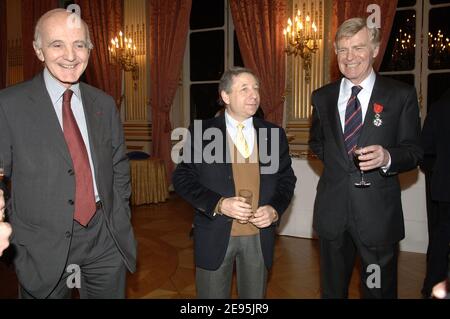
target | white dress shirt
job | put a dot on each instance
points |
(364, 95)
(56, 90)
(248, 130)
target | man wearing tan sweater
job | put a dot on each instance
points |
(236, 172)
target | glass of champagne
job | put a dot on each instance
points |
(248, 195)
(2, 174)
(2, 169)
(357, 151)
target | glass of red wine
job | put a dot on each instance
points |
(357, 151)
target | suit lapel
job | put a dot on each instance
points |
(219, 122)
(335, 120)
(45, 115)
(369, 128)
(93, 116)
(258, 124)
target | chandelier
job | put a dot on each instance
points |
(301, 37)
(122, 52)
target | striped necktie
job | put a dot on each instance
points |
(353, 120)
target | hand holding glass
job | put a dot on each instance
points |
(357, 151)
(2, 173)
(2, 169)
(248, 195)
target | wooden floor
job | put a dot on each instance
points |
(166, 265)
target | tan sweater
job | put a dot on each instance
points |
(246, 176)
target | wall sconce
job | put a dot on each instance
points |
(301, 36)
(122, 52)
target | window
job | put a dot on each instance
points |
(426, 65)
(211, 48)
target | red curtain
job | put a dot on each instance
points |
(104, 18)
(168, 32)
(259, 29)
(3, 45)
(346, 9)
(31, 12)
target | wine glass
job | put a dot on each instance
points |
(357, 151)
(248, 195)
(2, 173)
(2, 169)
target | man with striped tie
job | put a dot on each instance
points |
(380, 115)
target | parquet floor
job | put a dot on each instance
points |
(166, 265)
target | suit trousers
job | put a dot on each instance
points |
(250, 270)
(433, 227)
(103, 271)
(378, 266)
(439, 249)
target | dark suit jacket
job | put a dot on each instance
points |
(377, 209)
(203, 184)
(39, 165)
(436, 145)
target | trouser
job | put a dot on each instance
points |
(439, 249)
(378, 263)
(250, 269)
(94, 253)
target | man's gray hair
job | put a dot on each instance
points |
(226, 81)
(37, 30)
(352, 26)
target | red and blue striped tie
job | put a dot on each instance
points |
(353, 120)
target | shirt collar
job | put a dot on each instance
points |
(56, 89)
(231, 122)
(366, 84)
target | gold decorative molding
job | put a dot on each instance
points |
(136, 95)
(14, 73)
(137, 131)
(298, 94)
(300, 132)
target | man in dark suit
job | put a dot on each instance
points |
(63, 149)
(245, 153)
(436, 145)
(381, 116)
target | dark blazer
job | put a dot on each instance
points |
(39, 165)
(377, 209)
(203, 184)
(436, 145)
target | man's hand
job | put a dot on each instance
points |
(372, 157)
(440, 290)
(5, 228)
(237, 208)
(5, 232)
(264, 216)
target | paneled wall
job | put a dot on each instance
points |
(135, 100)
(14, 43)
(298, 91)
